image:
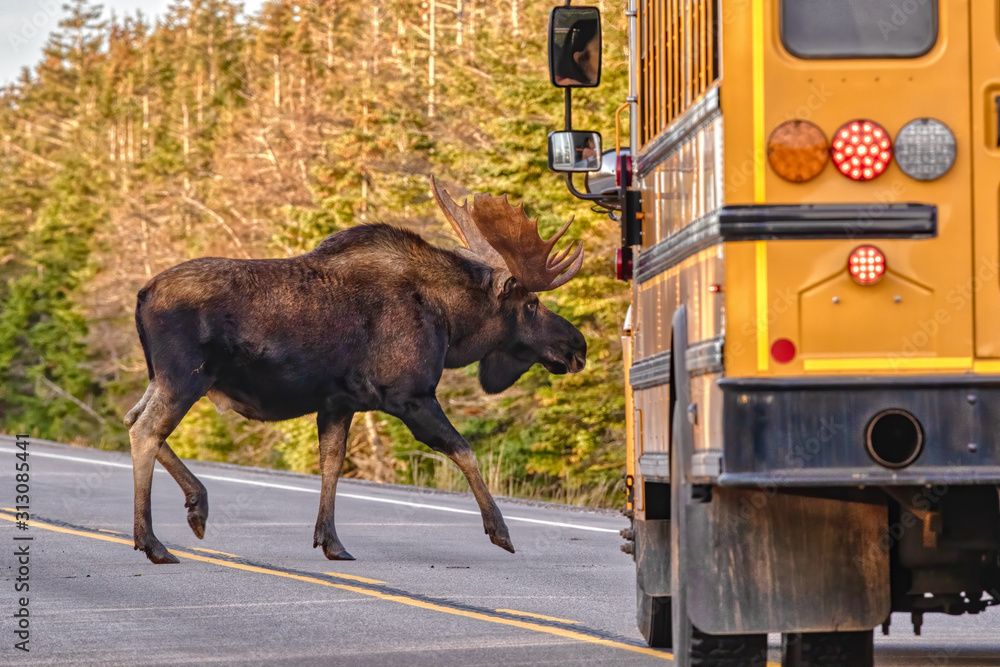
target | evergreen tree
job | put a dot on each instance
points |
(134, 145)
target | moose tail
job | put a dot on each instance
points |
(140, 300)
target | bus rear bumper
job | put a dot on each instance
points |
(812, 431)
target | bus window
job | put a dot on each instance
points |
(858, 28)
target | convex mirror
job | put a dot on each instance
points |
(574, 151)
(605, 178)
(575, 47)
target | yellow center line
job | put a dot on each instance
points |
(354, 577)
(401, 599)
(211, 551)
(544, 618)
(113, 532)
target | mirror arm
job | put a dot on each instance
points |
(581, 195)
(569, 109)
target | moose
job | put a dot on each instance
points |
(366, 321)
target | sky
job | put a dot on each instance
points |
(25, 26)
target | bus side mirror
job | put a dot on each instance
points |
(575, 47)
(574, 151)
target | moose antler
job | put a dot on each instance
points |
(504, 237)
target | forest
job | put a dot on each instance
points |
(135, 144)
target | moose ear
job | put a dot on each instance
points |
(504, 284)
(499, 370)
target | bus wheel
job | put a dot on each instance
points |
(691, 646)
(827, 649)
(653, 616)
(727, 650)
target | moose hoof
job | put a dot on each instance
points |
(337, 552)
(501, 538)
(198, 514)
(332, 548)
(158, 554)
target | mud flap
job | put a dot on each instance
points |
(782, 562)
(652, 557)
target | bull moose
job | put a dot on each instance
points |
(366, 321)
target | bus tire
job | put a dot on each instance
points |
(727, 650)
(827, 649)
(653, 617)
(692, 647)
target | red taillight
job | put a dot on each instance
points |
(866, 264)
(783, 350)
(623, 168)
(623, 263)
(861, 150)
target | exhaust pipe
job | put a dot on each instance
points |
(894, 438)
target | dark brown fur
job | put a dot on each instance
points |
(366, 321)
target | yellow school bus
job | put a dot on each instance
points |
(813, 344)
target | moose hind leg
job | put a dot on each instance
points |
(195, 493)
(148, 435)
(333, 430)
(428, 423)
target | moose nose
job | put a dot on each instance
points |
(577, 341)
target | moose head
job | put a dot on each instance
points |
(505, 239)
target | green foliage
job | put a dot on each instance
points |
(133, 146)
(43, 354)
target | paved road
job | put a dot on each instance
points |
(427, 588)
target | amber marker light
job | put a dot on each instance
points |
(797, 151)
(861, 150)
(866, 264)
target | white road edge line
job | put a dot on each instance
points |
(340, 494)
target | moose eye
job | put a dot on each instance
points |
(532, 307)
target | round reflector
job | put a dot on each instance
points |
(861, 150)
(797, 150)
(866, 264)
(925, 149)
(783, 350)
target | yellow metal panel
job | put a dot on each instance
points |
(630, 457)
(895, 317)
(931, 275)
(760, 256)
(985, 88)
(759, 195)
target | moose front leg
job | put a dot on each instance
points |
(333, 428)
(428, 423)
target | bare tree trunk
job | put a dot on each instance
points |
(472, 29)
(515, 18)
(384, 471)
(376, 37)
(430, 59)
(145, 246)
(200, 97)
(211, 52)
(329, 44)
(187, 127)
(276, 61)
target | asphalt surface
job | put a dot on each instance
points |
(427, 587)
